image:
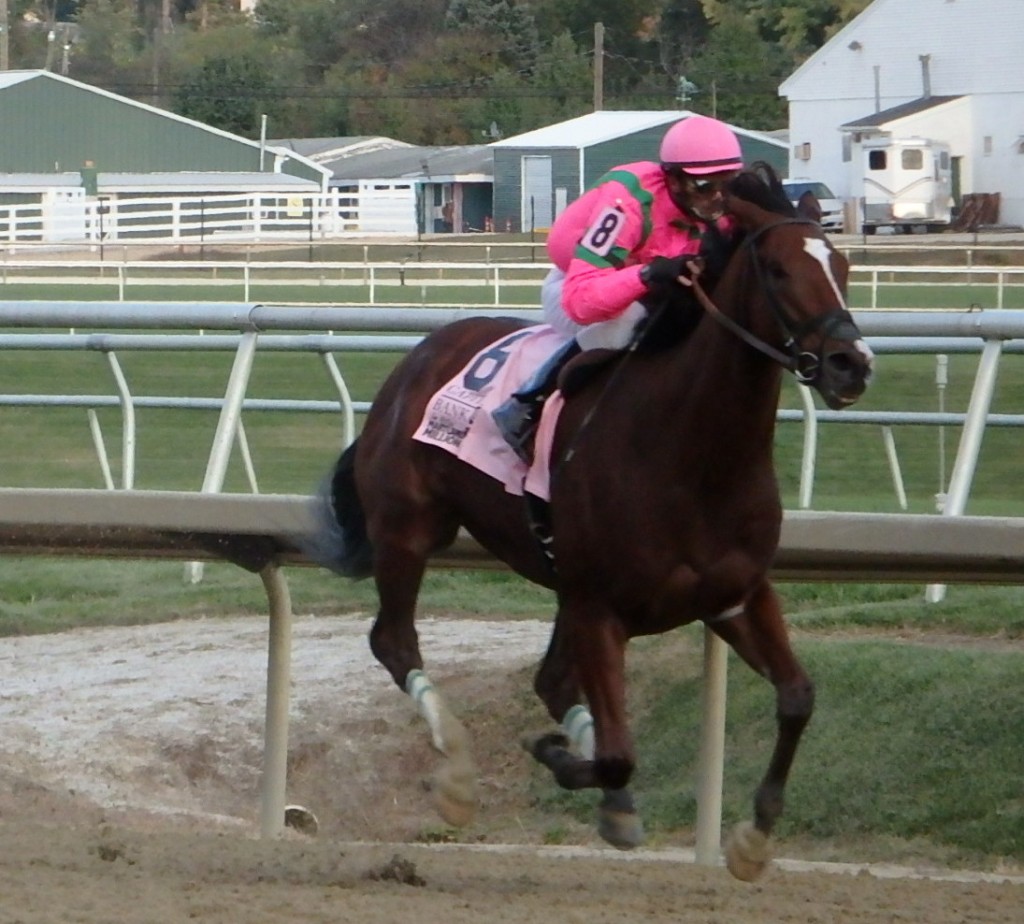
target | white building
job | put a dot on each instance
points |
(947, 70)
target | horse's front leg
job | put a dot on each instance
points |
(759, 636)
(571, 754)
(395, 644)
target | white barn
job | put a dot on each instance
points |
(951, 71)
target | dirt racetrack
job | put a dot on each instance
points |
(99, 875)
(129, 765)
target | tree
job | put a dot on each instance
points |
(510, 24)
(737, 76)
(798, 26)
(682, 31)
(111, 44)
(433, 70)
(228, 92)
(358, 33)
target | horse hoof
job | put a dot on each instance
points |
(747, 854)
(454, 789)
(534, 743)
(301, 819)
(623, 830)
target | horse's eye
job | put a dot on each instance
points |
(777, 272)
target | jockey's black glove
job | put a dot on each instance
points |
(663, 271)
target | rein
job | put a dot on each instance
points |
(786, 360)
(803, 364)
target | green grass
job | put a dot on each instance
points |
(909, 743)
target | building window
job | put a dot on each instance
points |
(876, 160)
(986, 145)
(913, 159)
(802, 151)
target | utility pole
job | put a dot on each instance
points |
(5, 44)
(598, 66)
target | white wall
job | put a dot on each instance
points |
(1001, 170)
(973, 47)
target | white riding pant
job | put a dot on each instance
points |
(613, 334)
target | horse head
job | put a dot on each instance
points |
(786, 265)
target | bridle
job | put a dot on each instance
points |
(804, 364)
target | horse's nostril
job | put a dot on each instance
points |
(839, 362)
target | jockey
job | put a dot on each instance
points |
(636, 231)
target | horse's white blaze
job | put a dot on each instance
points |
(821, 252)
(865, 350)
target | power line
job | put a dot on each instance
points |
(140, 90)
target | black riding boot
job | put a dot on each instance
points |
(518, 417)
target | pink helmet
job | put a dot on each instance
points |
(701, 145)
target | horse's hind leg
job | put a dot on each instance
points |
(759, 636)
(400, 559)
(569, 754)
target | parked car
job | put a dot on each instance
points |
(831, 207)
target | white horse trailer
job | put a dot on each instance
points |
(908, 183)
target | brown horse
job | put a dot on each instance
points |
(664, 506)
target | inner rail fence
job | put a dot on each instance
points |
(395, 330)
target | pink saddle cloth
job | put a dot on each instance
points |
(458, 417)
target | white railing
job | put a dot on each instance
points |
(371, 283)
(497, 282)
(240, 216)
(996, 286)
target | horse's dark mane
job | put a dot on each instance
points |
(760, 185)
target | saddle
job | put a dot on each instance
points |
(581, 370)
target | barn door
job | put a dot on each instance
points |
(537, 193)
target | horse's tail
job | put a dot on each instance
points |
(340, 541)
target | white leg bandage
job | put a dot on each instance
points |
(579, 727)
(429, 704)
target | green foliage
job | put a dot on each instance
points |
(110, 35)
(738, 74)
(798, 26)
(503, 21)
(230, 92)
(436, 71)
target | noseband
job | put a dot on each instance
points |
(804, 364)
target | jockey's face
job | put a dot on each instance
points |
(701, 197)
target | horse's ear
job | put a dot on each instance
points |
(807, 206)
